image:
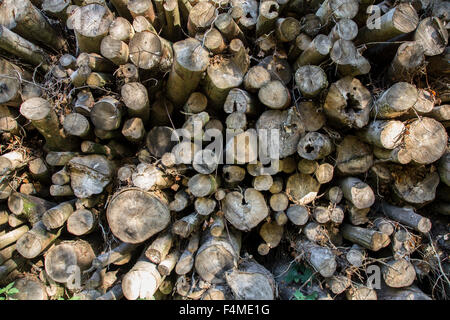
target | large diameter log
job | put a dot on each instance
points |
(23, 18)
(141, 281)
(201, 17)
(135, 215)
(62, 260)
(35, 241)
(407, 216)
(399, 20)
(425, 140)
(353, 156)
(251, 281)
(367, 238)
(432, 34)
(225, 250)
(44, 118)
(31, 207)
(189, 63)
(20, 47)
(348, 103)
(91, 24)
(245, 216)
(321, 258)
(357, 192)
(383, 134)
(106, 114)
(310, 80)
(148, 51)
(121, 29)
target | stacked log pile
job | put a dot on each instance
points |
(207, 149)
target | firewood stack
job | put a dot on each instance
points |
(102, 196)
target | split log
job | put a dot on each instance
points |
(130, 222)
(44, 118)
(367, 238)
(226, 248)
(36, 240)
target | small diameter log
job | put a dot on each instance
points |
(201, 17)
(302, 41)
(407, 62)
(432, 34)
(314, 146)
(141, 23)
(356, 256)
(30, 207)
(262, 182)
(23, 18)
(334, 195)
(274, 95)
(310, 80)
(61, 191)
(287, 29)
(344, 29)
(398, 155)
(410, 293)
(121, 29)
(407, 216)
(76, 124)
(38, 169)
(95, 62)
(399, 20)
(307, 166)
(279, 201)
(12, 236)
(196, 103)
(255, 78)
(357, 192)
(173, 20)
(148, 51)
(302, 188)
(245, 216)
(20, 47)
(35, 241)
(106, 114)
(357, 216)
(321, 214)
(79, 76)
(360, 292)
(353, 156)
(228, 27)
(98, 80)
(204, 206)
(444, 168)
(55, 217)
(44, 118)
(218, 225)
(142, 280)
(115, 50)
(119, 255)
(64, 260)
(202, 185)
(395, 101)
(190, 61)
(159, 248)
(82, 222)
(225, 248)
(267, 17)
(425, 140)
(133, 130)
(348, 60)
(315, 53)
(7, 253)
(398, 273)
(385, 134)
(241, 101)
(424, 104)
(337, 9)
(338, 284)
(251, 281)
(324, 173)
(298, 215)
(12, 161)
(135, 97)
(188, 224)
(135, 215)
(166, 265)
(185, 263)
(180, 202)
(321, 258)
(115, 293)
(367, 238)
(91, 24)
(383, 225)
(348, 103)
(11, 83)
(271, 233)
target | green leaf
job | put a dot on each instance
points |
(292, 275)
(298, 295)
(3, 290)
(2, 298)
(9, 286)
(13, 291)
(75, 298)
